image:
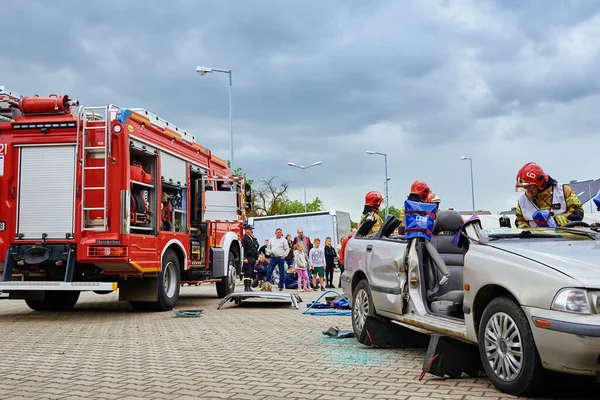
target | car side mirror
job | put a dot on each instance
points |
(247, 197)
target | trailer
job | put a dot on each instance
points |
(104, 198)
(320, 224)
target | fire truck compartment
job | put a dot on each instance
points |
(46, 195)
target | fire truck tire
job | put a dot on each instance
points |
(227, 284)
(168, 282)
(168, 286)
(55, 301)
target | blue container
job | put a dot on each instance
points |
(419, 219)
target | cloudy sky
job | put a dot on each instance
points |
(503, 82)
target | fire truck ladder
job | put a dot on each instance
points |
(92, 120)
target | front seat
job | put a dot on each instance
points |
(448, 299)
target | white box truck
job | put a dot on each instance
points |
(332, 223)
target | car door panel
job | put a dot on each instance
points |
(386, 274)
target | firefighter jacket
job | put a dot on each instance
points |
(250, 246)
(378, 221)
(560, 200)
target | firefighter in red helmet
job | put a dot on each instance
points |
(373, 201)
(420, 192)
(544, 193)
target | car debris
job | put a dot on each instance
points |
(237, 298)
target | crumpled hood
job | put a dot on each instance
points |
(578, 259)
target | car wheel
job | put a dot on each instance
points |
(362, 307)
(507, 348)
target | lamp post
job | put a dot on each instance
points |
(205, 70)
(387, 178)
(472, 186)
(303, 168)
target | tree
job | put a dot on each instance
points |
(393, 211)
(297, 207)
(268, 196)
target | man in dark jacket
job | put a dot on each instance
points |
(250, 245)
(260, 270)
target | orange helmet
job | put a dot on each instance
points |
(433, 198)
(373, 199)
(420, 188)
(531, 174)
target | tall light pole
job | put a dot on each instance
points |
(472, 186)
(205, 70)
(303, 168)
(387, 178)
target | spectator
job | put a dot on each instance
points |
(304, 242)
(340, 259)
(290, 257)
(250, 246)
(317, 264)
(291, 279)
(279, 249)
(300, 264)
(330, 256)
(260, 270)
(265, 250)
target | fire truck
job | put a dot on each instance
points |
(106, 198)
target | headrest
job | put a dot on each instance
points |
(447, 220)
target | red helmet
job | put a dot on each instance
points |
(433, 198)
(373, 199)
(531, 174)
(420, 188)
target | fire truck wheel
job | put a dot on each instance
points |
(168, 282)
(55, 301)
(227, 284)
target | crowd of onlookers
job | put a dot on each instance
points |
(293, 263)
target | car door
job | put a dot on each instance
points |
(386, 273)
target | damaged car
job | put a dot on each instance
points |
(528, 299)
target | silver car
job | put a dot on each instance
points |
(529, 299)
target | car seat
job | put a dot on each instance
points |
(448, 299)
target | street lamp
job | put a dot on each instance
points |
(203, 71)
(387, 178)
(472, 186)
(303, 168)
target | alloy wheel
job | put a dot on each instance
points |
(503, 347)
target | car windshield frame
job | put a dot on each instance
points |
(559, 233)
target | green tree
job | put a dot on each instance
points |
(393, 211)
(297, 206)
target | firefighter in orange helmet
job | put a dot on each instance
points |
(544, 193)
(373, 201)
(419, 192)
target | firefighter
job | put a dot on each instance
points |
(373, 201)
(560, 203)
(250, 246)
(419, 192)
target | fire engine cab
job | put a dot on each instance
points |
(106, 198)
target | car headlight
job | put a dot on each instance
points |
(573, 300)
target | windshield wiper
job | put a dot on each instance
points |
(524, 235)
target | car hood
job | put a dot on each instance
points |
(578, 259)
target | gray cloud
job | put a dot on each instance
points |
(502, 81)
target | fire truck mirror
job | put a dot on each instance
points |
(247, 197)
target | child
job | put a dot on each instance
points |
(300, 264)
(330, 256)
(317, 264)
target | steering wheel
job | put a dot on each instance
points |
(574, 224)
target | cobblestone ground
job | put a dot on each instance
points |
(104, 350)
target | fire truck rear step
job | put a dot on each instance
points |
(14, 286)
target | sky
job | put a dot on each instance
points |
(426, 82)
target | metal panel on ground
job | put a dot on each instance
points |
(173, 169)
(46, 198)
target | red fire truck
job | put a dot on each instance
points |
(106, 198)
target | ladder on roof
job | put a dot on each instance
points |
(6, 108)
(93, 135)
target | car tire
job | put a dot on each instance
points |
(362, 307)
(507, 349)
(227, 284)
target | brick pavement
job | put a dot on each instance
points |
(104, 350)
